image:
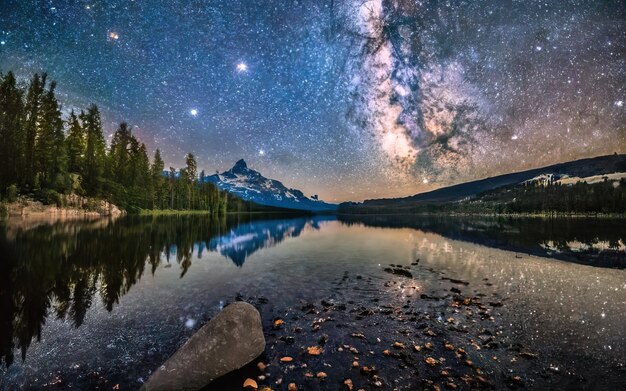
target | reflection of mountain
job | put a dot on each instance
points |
(247, 238)
(595, 242)
(60, 269)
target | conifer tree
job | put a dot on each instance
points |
(119, 156)
(11, 135)
(75, 144)
(93, 168)
(31, 126)
(50, 155)
(189, 176)
(156, 172)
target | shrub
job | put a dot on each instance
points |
(12, 193)
(49, 197)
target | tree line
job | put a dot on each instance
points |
(605, 196)
(552, 198)
(44, 156)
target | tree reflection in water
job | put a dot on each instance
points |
(57, 269)
(590, 241)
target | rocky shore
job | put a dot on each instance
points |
(72, 207)
(385, 332)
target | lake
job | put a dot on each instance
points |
(99, 303)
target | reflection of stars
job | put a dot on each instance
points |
(242, 67)
(193, 112)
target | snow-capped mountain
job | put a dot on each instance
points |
(250, 185)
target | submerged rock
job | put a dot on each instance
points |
(229, 341)
(399, 271)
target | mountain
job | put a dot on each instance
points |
(250, 185)
(564, 172)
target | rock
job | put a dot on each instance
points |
(249, 383)
(399, 272)
(455, 281)
(229, 341)
(431, 361)
(528, 355)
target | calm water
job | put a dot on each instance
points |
(115, 299)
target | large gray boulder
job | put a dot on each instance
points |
(229, 341)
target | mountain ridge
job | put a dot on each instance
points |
(251, 185)
(576, 168)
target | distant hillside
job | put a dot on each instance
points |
(569, 172)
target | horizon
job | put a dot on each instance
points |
(494, 88)
(269, 176)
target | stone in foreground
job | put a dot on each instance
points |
(229, 341)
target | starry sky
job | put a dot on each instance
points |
(348, 99)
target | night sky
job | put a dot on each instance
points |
(346, 99)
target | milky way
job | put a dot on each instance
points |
(346, 99)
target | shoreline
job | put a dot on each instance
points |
(498, 215)
(73, 207)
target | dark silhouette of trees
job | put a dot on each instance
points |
(11, 130)
(44, 157)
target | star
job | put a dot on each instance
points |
(242, 67)
(457, 109)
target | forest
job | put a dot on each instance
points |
(44, 156)
(532, 198)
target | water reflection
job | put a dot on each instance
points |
(249, 237)
(58, 269)
(596, 242)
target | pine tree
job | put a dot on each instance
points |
(119, 156)
(189, 176)
(75, 144)
(93, 168)
(11, 136)
(31, 126)
(50, 155)
(141, 193)
(156, 172)
(172, 185)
